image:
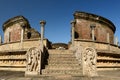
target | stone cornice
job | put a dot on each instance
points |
(87, 40)
(14, 20)
(96, 18)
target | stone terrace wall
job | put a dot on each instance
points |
(108, 55)
(99, 46)
(13, 55)
(14, 46)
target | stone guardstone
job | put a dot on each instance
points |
(89, 58)
(33, 62)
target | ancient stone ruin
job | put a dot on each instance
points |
(92, 48)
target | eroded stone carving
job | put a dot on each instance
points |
(33, 57)
(78, 53)
(89, 61)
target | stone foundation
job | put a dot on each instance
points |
(107, 54)
(15, 61)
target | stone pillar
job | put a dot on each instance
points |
(108, 41)
(0, 39)
(22, 33)
(92, 26)
(108, 38)
(73, 31)
(42, 23)
(116, 41)
(8, 37)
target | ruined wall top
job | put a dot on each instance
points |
(13, 30)
(96, 18)
(17, 19)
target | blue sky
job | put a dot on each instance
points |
(58, 14)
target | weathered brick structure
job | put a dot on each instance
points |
(84, 21)
(94, 31)
(19, 36)
(92, 46)
(12, 30)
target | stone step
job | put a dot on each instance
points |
(62, 59)
(65, 67)
(61, 55)
(54, 51)
(56, 72)
(62, 62)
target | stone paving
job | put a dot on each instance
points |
(104, 75)
(4, 75)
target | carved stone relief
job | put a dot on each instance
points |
(12, 60)
(12, 56)
(89, 61)
(33, 57)
(78, 53)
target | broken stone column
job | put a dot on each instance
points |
(108, 38)
(8, 40)
(21, 37)
(42, 23)
(116, 41)
(73, 31)
(92, 26)
(0, 39)
(89, 59)
(22, 33)
(108, 41)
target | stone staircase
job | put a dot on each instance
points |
(62, 62)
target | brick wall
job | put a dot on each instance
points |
(12, 33)
(83, 31)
